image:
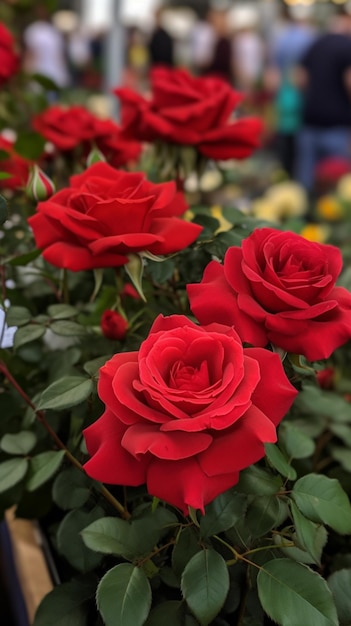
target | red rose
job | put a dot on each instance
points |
(9, 59)
(279, 288)
(69, 127)
(14, 164)
(187, 412)
(113, 325)
(107, 214)
(326, 377)
(190, 111)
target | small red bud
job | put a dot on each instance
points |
(113, 325)
(325, 378)
(39, 185)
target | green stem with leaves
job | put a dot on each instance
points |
(40, 415)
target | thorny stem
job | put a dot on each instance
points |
(40, 415)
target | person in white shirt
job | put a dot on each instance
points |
(44, 50)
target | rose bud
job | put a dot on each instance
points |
(113, 324)
(325, 378)
(39, 185)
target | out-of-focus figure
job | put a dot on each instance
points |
(161, 45)
(220, 62)
(295, 34)
(44, 49)
(202, 40)
(248, 48)
(325, 78)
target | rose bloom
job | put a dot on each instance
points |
(9, 59)
(278, 287)
(192, 111)
(113, 325)
(69, 127)
(106, 215)
(187, 412)
(13, 164)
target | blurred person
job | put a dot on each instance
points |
(45, 49)
(202, 40)
(79, 54)
(248, 49)
(220, 62)
(295, 34)
(161, 44)
(324, 75)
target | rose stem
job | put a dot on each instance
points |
(40, 415)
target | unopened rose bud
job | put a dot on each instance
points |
(113, 325)
(95, 156)
(39, 185)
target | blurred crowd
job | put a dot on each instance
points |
(295, 72)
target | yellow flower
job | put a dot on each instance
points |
(316, 232)
(329, 208)
(343, 188)
(216, 212)
(281, 201)
(289, 198)
(264, 209)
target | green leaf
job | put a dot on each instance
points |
(265, 513)
(323, 403)
(259, 481)
(18, 316)
(205, 584)
(188, 544)
(67, 328)
(65, 392)
(92, 367)
(69, 541)
(3, 209)
(297, 444)
(124, 596)
(170, 613)
(78, 492)
(25, 334)
(43, 467)
(279, 461)
(343, 456)
(311, 536)
(66, 605)
(24, 259)
(111, 535)
(30, 145)
(222, 513)
(340, 585)
(292, 594)
(61, 311)
(12, 472)
(19, 443)
(322, 499)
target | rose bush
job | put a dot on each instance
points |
(279, 288)
(9, 58)
(70, 126)
(192, 111)
(187, 412)
(106, 215)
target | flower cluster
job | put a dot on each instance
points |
(180, 425)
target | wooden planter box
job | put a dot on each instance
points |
(27, 576)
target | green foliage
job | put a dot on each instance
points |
(205, 584)
(292, 594)
(322, 499)
(124, 596)
(67, 605)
